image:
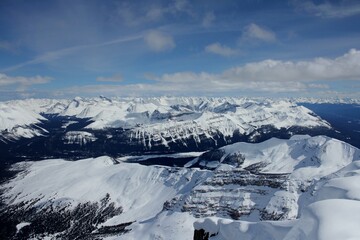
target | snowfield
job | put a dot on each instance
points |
(302, 188)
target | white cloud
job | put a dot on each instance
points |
(208, 19)
(114, 78)
(159, 41)
(329, 10)
(254, 31)
(219, 49)
(346, 67)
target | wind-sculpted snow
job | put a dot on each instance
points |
(167, 120)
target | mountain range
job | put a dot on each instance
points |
(174, 168)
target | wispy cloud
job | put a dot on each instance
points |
(219, 49)
(256, 32)
(55, 55)
(114, 78)
(329, 10)
(159, 41)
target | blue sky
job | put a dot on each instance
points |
(62, 49)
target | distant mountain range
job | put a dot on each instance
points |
(134, 125)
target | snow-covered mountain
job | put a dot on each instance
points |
(301, 188)
(151, 124)
(167, 116)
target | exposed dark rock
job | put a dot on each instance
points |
(200, 234)
(235, 159)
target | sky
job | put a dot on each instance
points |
(252, 48)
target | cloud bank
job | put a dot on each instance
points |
(268, 76)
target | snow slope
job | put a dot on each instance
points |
(139, 190)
